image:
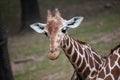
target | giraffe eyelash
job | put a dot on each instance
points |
(64, 29)
(46, 34)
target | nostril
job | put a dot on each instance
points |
(53, 50)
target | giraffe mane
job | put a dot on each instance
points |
(81, 42)
(118, 46)
(84, 43)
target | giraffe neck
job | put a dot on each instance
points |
(84, 60)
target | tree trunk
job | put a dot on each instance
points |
(30, 14)
(5, 68)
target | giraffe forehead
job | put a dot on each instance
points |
(54, 25)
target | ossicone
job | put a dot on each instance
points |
(49, 15)
(57, 13)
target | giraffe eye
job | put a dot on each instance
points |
(46, 34)
(64, 30)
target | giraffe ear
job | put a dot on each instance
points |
(74, 22)
(38, 27)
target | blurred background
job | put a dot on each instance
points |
(28, 50)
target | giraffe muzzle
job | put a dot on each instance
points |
(53, 54)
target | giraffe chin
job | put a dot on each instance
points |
(54, 55)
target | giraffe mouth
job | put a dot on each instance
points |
(53, 55)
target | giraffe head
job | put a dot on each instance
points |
(55, 28)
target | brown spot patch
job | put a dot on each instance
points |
(108, 78)
(115, 72)
(107, 70)
(75, 45)
(93, 73)
(63, 45)
(101, 74)
(113, 58)
(80, 50)
(97, 58)
(74, 57)
(79, 60)
(82, 66)
(91, 62)
(97, 65)
(67, 41)
(106, 62)
(119, 61)
(87, 57)
(86, 72)
(119, 51)
(70, 49)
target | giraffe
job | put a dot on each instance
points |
(111, 68)
(83, 58)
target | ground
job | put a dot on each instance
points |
(28, 53)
